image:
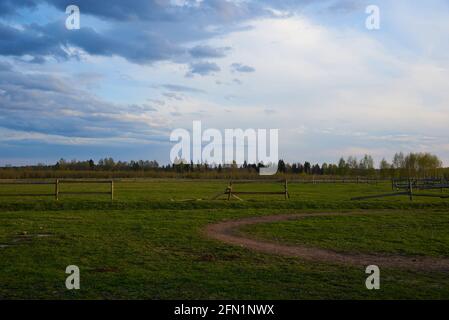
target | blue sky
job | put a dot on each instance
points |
(138, 69)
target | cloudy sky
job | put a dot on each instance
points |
(138, 69)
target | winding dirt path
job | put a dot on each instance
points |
(226, 232)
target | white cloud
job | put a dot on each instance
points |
(320, 77)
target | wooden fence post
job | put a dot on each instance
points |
(229, 190)
(410, 189)
(57, 189)
(112, 190)
(286, 190)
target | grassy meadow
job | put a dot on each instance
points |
(149, 242)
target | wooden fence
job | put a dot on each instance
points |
(420, 184)
(408, 187)
(57, 183)
(354, 180)
(231, 192)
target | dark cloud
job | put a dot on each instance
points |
(141, 31)
(45, 104)
(203, 68)
(119, 9)
(28, 40)
(110, 9)
(219, 11)
(208, 52)
(238, 67)
(53, 40)
(152, 10)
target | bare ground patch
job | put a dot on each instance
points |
(226, 232)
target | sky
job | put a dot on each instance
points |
(138, 69)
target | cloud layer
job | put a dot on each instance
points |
(137, 69)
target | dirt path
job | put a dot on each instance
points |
(226, 232)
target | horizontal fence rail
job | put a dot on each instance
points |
(400, 187)
(420, 184)
(230, 192)
(57, 191)
(409, 187)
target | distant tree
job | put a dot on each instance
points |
(352, 163)
(367, 163)
(294, 168)
(61, 163)
(423, 164)
(399, 161)
(135, 165)
(307, 167)
(384, 165)
(342, 167)
(385, 168)
(333, 169)
(316, 169)
(325, 168)
(281, 166)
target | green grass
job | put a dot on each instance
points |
(399, 233)
(143, 245)
(166, 190)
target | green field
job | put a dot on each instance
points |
(406, 233)
(149, 244)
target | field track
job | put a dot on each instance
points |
(226, 232)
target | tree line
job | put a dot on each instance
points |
(402, 165)
(410, 165)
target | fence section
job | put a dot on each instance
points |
(230, 192)
(408, 187)
(57, 191)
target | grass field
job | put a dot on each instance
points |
(148, 244)
(407, 233)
